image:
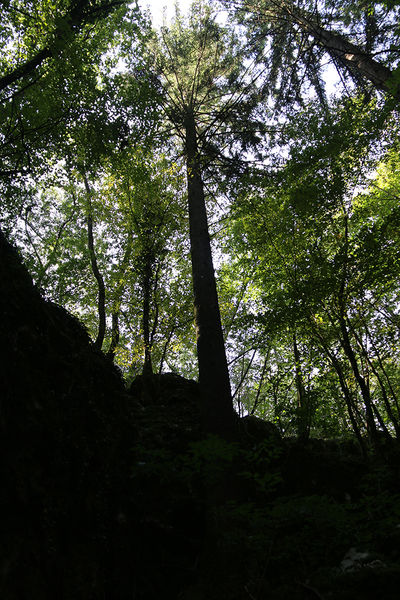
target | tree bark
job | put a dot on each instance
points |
(349, 352)
(384, 371)
(303, 413)
(385, 397)
(218, 415)
(345, 340)
(355, 58)
(346, 392)
(101, 299)
(146, 282)
(116, 305)
(114, 335)
(165, 348)
(260, 383)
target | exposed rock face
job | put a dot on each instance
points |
(64, 430)
(164, 389)
(169, 410)
(258, 430)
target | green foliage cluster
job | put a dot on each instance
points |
(306, 239)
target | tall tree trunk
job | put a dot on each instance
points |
(349, 401)
(165, 348)
(354, 57)
(384, 371)
(303, 412)
(348, 350)
(385, 397)
(344, 387)
(101, 299)
(114, 334)
(215, 392)
(147, 277)
(345, 340)
(260, 383)
(116, 305)
(214, 382)
(244, 373)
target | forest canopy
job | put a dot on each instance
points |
(244, 159)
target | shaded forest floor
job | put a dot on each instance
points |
(295, 520)
(106, 496)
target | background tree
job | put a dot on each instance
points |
(301, 237)
(295, 40)
(48, 47)
(138, 238)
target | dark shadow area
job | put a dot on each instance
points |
(104, 490)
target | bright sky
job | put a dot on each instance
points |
(157, 9)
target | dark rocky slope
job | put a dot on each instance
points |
(112, 494)
(66, 433)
